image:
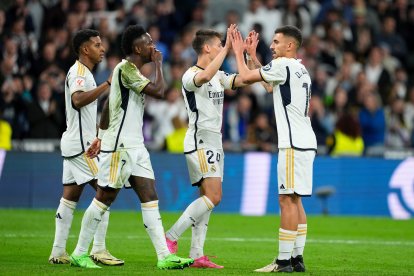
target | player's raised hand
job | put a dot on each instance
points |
(251, 42)
(156, 55)
(230, 29)
(94, 149)
(237, 42)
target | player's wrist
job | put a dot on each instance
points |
(101, 133)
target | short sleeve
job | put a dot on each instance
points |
(77, 83)
(227, 80)
(274, 72)
(133, 79)
(188, 79)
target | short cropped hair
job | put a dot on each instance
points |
(81, 37)
(202, 37)
(128, 37)
(291, 31)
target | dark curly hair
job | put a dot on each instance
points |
(130, 34)
(81, 37)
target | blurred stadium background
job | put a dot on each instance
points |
(360, 55)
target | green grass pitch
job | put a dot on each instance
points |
(336, 245)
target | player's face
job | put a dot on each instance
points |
(280, 45)
(146, 45)
(95, 49)
(215, 46)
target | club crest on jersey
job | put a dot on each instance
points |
(267, 67)
(213, 168)
(80, 81)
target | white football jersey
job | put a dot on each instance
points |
(291, 95)
(126, 108)
(205, 109)
(80, 123)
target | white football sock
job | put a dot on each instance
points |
(199, 233)
(100, 235)
(153, 225)
(91, 219)
(300, 240)
(193, 212)
(63, 222)
(286, 242)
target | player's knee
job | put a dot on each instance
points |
(285, 201)
(215, 199)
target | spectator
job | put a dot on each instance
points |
(164, 113)
(389, 36)
(44, 118)
(318, 119)
(397, 133)
(261, 135)
(347, 139)
(14, 110)
(372, 120)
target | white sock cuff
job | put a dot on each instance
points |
(68, 203)
(302, 229)
(287, 235)
(102, 207)
(150, 205)
(208, 202)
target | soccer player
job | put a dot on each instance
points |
(81, 96)
(125, 160)
(297, 142)
(203, 90)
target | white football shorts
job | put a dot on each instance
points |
(116, 167)
(295, 171)
(79, 170)
(204, 163)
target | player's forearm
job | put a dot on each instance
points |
(212, 68)
(254, 63)
(242, 68)
(81, 99)
(104, 122)
(159, 83)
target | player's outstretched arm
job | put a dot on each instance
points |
(208, 73)
(81, 99)
(156, 89)
(246, 75)
(251, 42)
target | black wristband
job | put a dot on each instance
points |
(108, 82)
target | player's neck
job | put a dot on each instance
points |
(87, 62)
(203, 61)
(135, 60)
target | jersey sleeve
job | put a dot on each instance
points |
(133, 79)
(76, 83)
(188, 80)
(274, 72)
(227, 80)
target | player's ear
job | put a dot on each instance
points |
(207, 48)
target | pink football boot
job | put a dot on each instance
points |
(204, 262)
(172, 245)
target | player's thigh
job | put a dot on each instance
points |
(141, 165)
(115, 169)
(79, 170)
(295, 171)
(205, 163)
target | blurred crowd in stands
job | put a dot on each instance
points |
(359, 53)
